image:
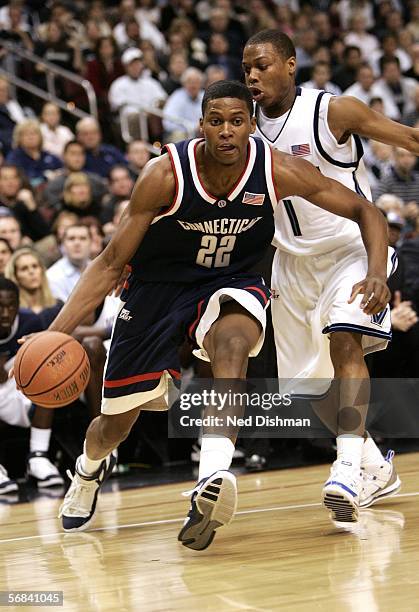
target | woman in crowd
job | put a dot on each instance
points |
(28, 153)
(27, 270)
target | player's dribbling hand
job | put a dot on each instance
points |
(376, 294)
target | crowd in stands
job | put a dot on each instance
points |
(65, 181)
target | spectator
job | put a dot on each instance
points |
(147, 30)
(64, 274)
(397, 92)
(138, 155)
(99, 157)
(219, 54)
(307, 44)
(346, 73)
(182, 36)
(390, 203)
(363, 88)
(27, 270)
(220, 22)
(135, 90)
(28, 153)
(402, 179)
(64, 220)
(120, 187)
(389, 49)
(377, 158)
(395, 225)
(14, 24)
(74, 158)
(184, 104)
(77, 196)
(322, 25)
(5, 254)
(10, 228)
(102, 72)
(54, 135)
(97, 235)
(412, 118)
(15, 408)
(376, 104)
(177, 66)
(11, 113)
(413, 73)
(110, 228)
(320, 79)
(214, 74)
(19, 198)
(151, 61)
(359, 37)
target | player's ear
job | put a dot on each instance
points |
(253, 124)
(292, 66)
(201, 126)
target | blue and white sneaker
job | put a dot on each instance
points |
(213, 504)
(79, 504)
(7, 485)
(340, 494)
(379, 481)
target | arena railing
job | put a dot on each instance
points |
(187, 127)
(51, 72)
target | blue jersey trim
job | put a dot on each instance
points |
(359, 329)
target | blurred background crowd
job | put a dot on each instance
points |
(67, 168)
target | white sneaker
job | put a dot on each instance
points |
(79, 504)
(340, 494)
(213, 504)
(7, 485)
(378, 481)
(238, 454)
(42, 471)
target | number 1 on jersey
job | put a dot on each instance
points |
(215, 252)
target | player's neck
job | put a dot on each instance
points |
(280, 107)
(218, 179)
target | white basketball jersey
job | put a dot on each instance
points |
(301, 228)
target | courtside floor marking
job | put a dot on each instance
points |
(175, 520)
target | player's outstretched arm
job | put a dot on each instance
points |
(294, 176)
(347, 115)
(154, 190)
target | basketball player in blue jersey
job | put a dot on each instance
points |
(200, 216)
(320, 256)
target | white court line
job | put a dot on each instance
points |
(177, 520)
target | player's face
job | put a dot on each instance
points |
(226, 127)
(28, 272)
(269, 77)
(8, 311)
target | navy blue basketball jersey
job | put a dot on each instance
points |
(200, 237)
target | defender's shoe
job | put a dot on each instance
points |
(7, 485)
(42, 471)
(340, 494)
(79, 504)
(379, 481)
(213, 504)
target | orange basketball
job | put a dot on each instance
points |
(52, 369)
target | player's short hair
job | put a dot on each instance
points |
(8, 285)
(280, 41)
(227, 89)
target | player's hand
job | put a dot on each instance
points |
(119, 285)
(376, 294)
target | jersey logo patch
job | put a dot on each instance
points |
(125, 315)
(300, 149)
(255, 199)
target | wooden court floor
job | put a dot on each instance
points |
(280, 553)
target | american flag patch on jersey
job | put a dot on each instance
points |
(256, 199)
(300, 149)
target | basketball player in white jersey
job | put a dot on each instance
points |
(318, 334)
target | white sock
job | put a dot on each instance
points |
(216, 454)
(371, 453)
(39, 440)
(350, 450)
(89, 466)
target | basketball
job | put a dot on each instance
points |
(52, 369)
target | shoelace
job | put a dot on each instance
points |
(72, 504)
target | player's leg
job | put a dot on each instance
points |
(96, 352)
(228, 344)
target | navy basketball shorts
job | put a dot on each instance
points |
(153, 322)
